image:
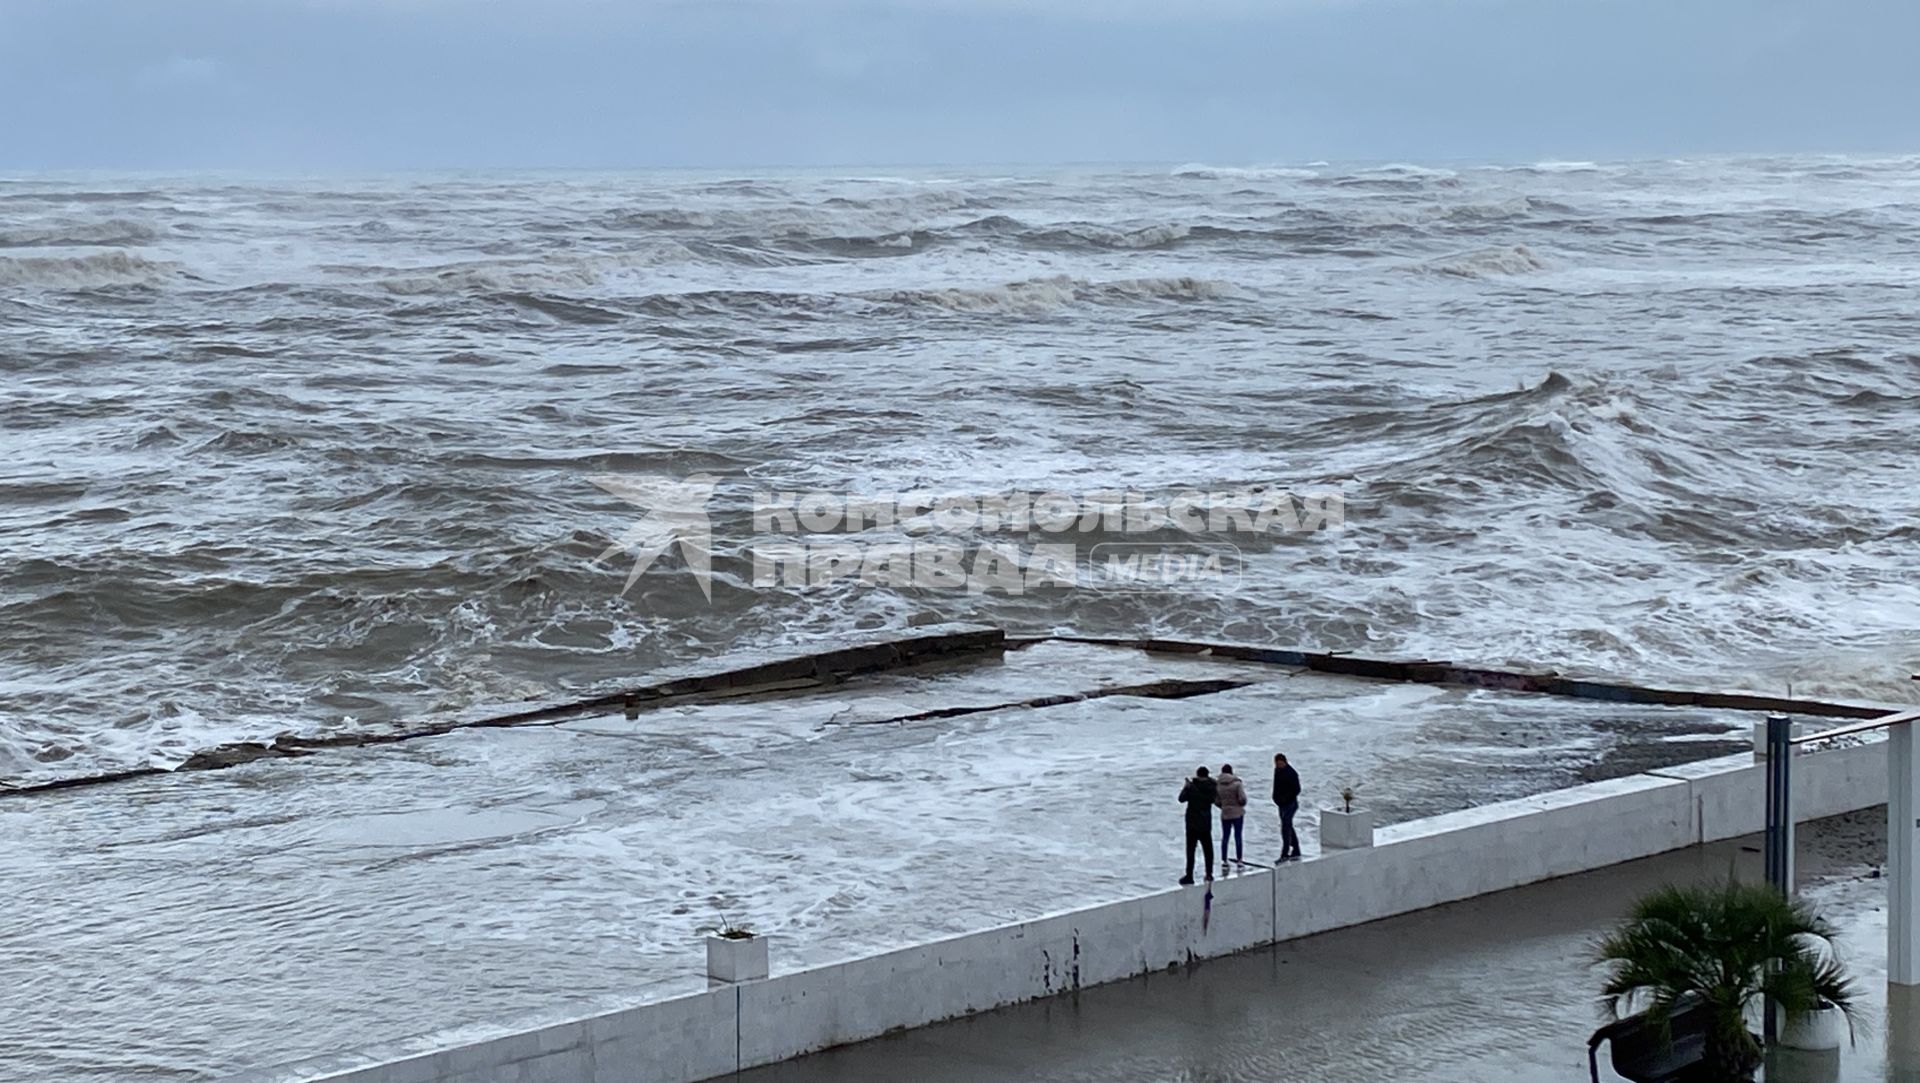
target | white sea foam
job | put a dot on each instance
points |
(318, 476)
(109, 268)
(1082, 329)
(1408, 169)
(1059, 291)
(551, 274)
(56, 234)
(1507, 260)
(1200, 171)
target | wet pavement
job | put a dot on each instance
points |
(1498, 989)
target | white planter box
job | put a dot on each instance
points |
(1824, 1029)
(736, 960)
(1345, 830)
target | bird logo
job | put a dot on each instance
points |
(676, 513)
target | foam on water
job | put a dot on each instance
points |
(311, 455)
(301, 907)
(113, 267)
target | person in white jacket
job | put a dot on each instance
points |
(1232, 800)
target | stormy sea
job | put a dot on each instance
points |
(304, 455)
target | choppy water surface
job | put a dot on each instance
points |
(182, 926)
(302, 455)
(294, 454)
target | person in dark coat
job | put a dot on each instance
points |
(1199, 795)
(1286, 794)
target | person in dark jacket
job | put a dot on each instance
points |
(1199, 795)
(1286, 794)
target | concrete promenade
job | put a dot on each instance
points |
(1414, 866)
(1496, 989)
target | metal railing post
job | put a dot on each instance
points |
(1779, 844)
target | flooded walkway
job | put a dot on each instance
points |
(1497, 989)
(294, 907)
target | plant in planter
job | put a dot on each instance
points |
(1728, 947)
(735, 952)
(727, 930)
(1346, 827)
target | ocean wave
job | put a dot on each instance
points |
(1407, 179)
(1408, 169)
(833, 218)
(811, 331)
(1551, 165)
(728, 303)
(66, 195)
(1872, 399)
(99, 269)
(663, 218)
(521, 277)
(928, 201)
(491, 278)
(112, 231)
(1069, 236)
(879, 245)
(1198, 171)
(1515, 207)
(560, 309)
(1292, 228)
(1515, 259)
(993, 225)
(231, 443)
(1059, 291)
(1089, 235)
(1028, 296)
(791, 235)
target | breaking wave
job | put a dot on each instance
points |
(1094, 236)
(443, 378)
(1486, 262)
(112, 231)
(1197, 171)
(1056, 292)
(517, 276)
(99, 269)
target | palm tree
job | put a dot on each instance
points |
(1727, 948)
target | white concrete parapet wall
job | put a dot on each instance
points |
(815, 1009)
(1729, 794)
(1412, 866)
(683, 1039)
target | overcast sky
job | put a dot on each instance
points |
(369, 84)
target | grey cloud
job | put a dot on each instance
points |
(360, 84)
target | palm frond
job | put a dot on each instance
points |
(1722, 946)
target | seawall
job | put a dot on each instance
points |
(1412, 866)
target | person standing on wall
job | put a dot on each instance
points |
(1199, 795)
(1286, 794)
(1232, 800)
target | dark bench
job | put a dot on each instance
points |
(1642, 1054)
